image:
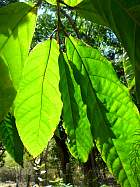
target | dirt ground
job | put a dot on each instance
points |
(8, 184)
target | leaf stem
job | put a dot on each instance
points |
(58, 22)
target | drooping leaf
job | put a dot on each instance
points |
(123, 17)
(7, 91)
(120, 114)
(38, 102)
(76, 123)
(11, 139)
(88, 95)
(17, 24)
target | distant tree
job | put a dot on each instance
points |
(2, 155)
(6, 2)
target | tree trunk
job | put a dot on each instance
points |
(46, 170)
(64, 159)
(90, 170)
(28, 180)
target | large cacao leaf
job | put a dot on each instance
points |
(123, 17)
(111, 102)
(38, 102)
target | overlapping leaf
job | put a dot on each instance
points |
(7, 91)
(123, 17)
(76, 123)
(111, 101)
(17, 23)
(11, 139)
(38, 102)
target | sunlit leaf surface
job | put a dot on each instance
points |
(38, 103)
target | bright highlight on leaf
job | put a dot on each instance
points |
(72, 2)
(17, 24)
(38, 103)
(68, 2)
(120, 114)
(76, 123)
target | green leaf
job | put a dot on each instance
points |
(129, 72)
(38, 103)
(17, 24)
(53, 2)
(11, 139)
(72, 2)
(88, 94)
(123, 17)
(75, 118)
(68, 2)
(7, 91)
(120, 114)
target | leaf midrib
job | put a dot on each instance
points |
(42, 89)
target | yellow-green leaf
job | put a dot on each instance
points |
(38, 103)
(17, 24)
(71, 3)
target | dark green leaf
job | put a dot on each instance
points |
(11, 139)
(76, 122)
(7, 91)
(129, 72)
(123, 17)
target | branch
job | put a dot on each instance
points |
(38, 4)
(72, 22)
(58, 22)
